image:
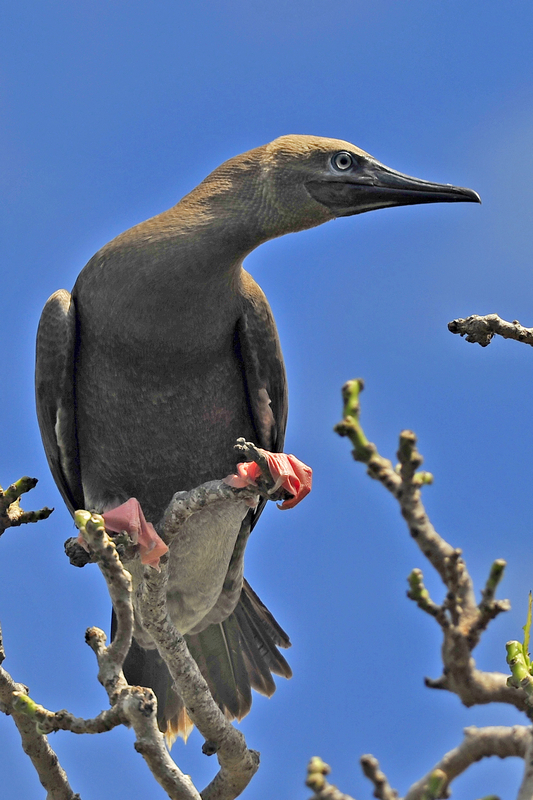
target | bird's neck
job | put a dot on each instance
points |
(222, 220)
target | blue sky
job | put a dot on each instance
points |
(112, 111)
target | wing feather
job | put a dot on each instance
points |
(54, 389)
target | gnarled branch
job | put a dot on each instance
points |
(11, 514)
(481, 330)
(461, 619)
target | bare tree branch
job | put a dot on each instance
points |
(316, 780)
(184, 504)
(137, 705)
(461, 619)
(50, 722)
(131, 705)
(237, 763)
(35, 744)
(11, 514)
(481, 330)
(526, 787)
(382, 788)
(478, 743)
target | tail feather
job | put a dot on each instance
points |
(217, 651)
(179, 725)
(251, 602)
(258, 670)
(261, 644)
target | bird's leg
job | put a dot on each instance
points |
(283, 476)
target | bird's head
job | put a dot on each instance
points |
(298, 182)
(307, 180)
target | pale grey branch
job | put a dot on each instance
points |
(35, 745)
(11, 514)
(184, 504)
(478, 743)
(50, 721)
(461, 619)
(238, 764)
(481, 330)
(138, 706)
(382, 789)
(526, 787)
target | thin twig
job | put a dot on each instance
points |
(316, 780)
(11, 514)
(382, 788)
(50, 721)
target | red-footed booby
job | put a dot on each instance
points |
(164, 354)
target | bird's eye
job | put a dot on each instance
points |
(342, 161)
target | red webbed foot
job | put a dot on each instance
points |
(287, 471)
(129, 517)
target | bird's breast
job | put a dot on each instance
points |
(152, 424)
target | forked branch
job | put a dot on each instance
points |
(461, 619)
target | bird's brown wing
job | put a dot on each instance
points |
(54, 390)
(258, 349)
